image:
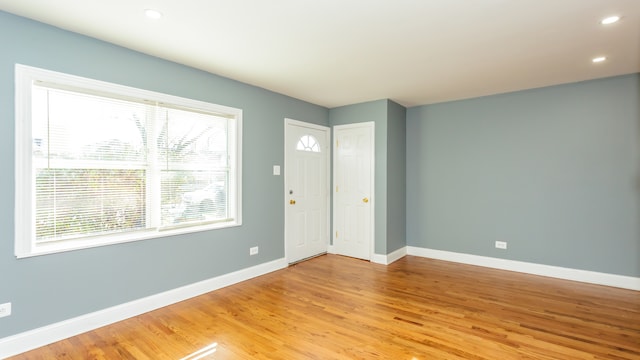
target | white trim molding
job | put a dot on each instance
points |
(592, 277)
(389, 258)
(29, 340)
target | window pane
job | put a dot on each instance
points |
(81, 202)
(194, 196)
(194, 158)
(194, 138)
(74, 126)
(308, 143)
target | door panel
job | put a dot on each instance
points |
(353, 190)
(306, 190)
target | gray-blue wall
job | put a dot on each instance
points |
(555, 172)
(396, 177)
(51, 288)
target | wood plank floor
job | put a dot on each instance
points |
(334, 307)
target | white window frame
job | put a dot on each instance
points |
(25, 244)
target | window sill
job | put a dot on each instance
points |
(113, 239)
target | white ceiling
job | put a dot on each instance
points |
(340, 52)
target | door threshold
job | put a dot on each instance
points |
(307, 258)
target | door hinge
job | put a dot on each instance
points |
(337, 143)
(336, 188)
(336, 234)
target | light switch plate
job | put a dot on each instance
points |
(276, 169)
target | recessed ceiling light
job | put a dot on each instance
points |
(153, 14)
(610, 20)
(599, 59)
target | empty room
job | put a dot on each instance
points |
(218, 179)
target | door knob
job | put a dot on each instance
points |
(292, 202)
(365, 200)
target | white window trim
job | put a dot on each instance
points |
(24, 236)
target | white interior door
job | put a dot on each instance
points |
(306, 190)
(353, 202)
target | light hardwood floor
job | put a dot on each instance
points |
(334, 307)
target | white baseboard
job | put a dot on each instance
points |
(389, 258)
(32, 339)
(592, 277)
(377, 258)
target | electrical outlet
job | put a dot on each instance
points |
(5, 309)
(501, 245)
(253, 250)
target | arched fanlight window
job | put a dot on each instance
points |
(308, 143)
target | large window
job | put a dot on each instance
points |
(98, 163)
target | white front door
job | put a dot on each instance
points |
(306, 190)
(353, 174)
